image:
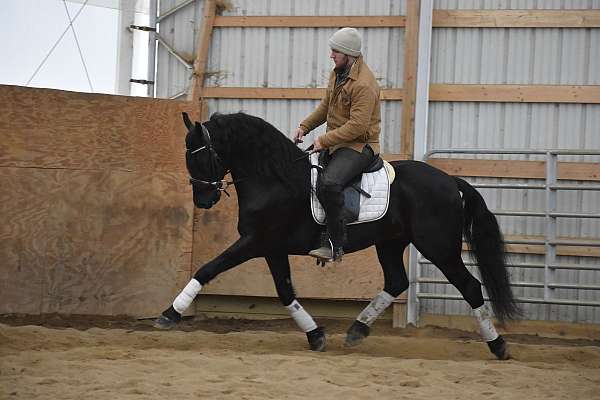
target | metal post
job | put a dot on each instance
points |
(152, 48)
(423, 66)
(550, 238)
(420, 142)
(125, 47)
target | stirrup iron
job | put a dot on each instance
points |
(325, 254)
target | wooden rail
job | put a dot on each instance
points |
(441, 19)
(583, 171)
(309, 22)
(438, 92)
(588, 94)
(516, 18)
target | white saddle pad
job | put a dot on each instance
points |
(377, 184)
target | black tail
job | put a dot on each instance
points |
(487, 245)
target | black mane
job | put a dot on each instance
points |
(250, 146)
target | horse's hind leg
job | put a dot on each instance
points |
(279, 266)
(469, 287)
(389, 254)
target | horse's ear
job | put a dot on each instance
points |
(186, 120)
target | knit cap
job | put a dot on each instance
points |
(346, 41)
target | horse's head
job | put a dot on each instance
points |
(204, 165)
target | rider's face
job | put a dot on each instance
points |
(340, 59)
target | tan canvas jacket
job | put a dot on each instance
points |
(351, 111)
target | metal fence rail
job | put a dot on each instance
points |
(550, 240)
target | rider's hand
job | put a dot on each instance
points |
(317, 145)
(297, 136)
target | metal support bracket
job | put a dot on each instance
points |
(142, 81)
(142, 28)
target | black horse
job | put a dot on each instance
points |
(427, 208)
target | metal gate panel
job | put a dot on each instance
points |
(552, 287)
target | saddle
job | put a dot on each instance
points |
(366, 197)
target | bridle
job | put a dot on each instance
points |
(215, 163)
(219, 184)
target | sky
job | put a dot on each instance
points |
(31, 27)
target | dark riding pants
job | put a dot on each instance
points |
(343, 165)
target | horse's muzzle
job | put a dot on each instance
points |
(206, 198)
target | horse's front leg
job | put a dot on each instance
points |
(395, 282)
(242, 250)
(279, 266)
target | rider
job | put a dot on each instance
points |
(351, 109)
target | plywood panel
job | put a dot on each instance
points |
(92, 242)
(96, 210)
(57, 129)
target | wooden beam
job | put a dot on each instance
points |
(441, 19)
(571, 251)
(264, 93)
(516, 93)
(516, 18)
(574, 251)
(437, 92)
(392, 94)
(309, 22)
(282, 93)
(203, 44)
(411, 48)
(585, 171)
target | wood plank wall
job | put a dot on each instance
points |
(95, 208)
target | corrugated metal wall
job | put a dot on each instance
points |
(284, 57)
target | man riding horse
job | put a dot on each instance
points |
(351, 109)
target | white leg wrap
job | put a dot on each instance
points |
(187, 295)
(302, 318)
(486, 326)
(375, 308)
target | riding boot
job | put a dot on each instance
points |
(332, 243)
(344, 165)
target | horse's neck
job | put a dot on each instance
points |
(266, 190)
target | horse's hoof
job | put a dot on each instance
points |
(499, 347)
(168, 319)
(163, 323)
(316, 339)
(356, 333)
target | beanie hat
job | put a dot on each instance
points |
(346, 41)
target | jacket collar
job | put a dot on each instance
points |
(355, 69)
